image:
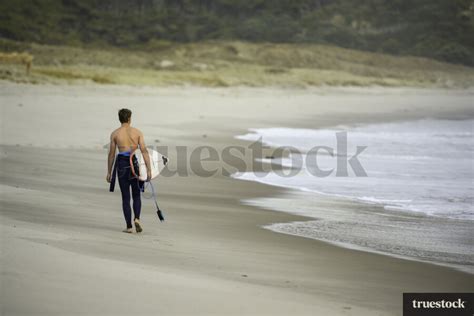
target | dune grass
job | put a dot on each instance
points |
(222, 64)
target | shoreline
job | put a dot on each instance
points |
(211, 252)
(347, 245)
(299, 197)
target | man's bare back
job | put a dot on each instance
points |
(127, 138)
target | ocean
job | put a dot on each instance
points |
(403, 189)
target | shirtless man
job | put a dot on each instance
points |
(126, 139)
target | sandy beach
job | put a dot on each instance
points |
(62, 249)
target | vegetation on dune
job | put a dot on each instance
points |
(440, 29)
(239, 42)
(17, 58)
(230, 63)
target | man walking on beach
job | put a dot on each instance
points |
(127, 139)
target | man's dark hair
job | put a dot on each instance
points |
(124, 115)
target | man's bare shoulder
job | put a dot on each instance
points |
(114, 133)
(136, 131)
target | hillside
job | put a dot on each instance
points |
(231, 63)
(440, 29)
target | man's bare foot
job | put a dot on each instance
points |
(138, 226)
(128, 231)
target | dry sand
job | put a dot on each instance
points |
(62, 250)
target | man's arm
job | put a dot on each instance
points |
(111, 157)
(146, 156)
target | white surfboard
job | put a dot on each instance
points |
(157, 161)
